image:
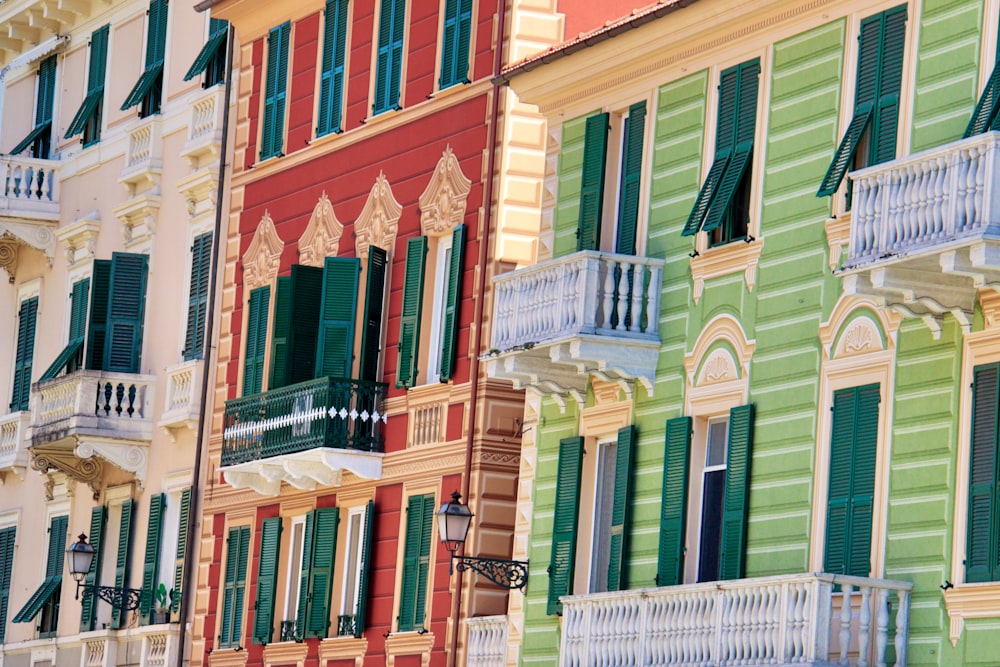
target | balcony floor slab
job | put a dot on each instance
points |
(305, 470)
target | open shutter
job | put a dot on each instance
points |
(27, 321)
(371, 334)
(595, 153)
(844, 156)
(151, 564)
(449, 336)
(281, 334)
(673, 504)
(863, 482)
(734, 513)
(253, 362)
(331, 100)
(306, 290)
(52, 583)
(985, 114)
(981, 546)
(88, 613)
(95, 83)
(201, 263)
(628, 209)
(182, 537)
(78, 309)
(620, 512)
(126, 306)
(564, 522)
(217, 33)
(123, 558)
(307, 558)
(324, 549)
(267, 581)
(334, 354)
(7, 539)
(98, 325)
(366, 563)
(409, 321)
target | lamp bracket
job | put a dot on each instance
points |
(126, 599)
(508, 574)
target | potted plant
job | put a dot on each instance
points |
(162, 612)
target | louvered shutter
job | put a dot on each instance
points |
(253, 363)
(338, 308)
(267, 581)
(306, 292)
(52, 583)
(595, 151)
(89, 109)
(886, 118)
(396, 58)
(416, 567)
(453, 301)
(78, 309)
(628, 209)
(46, 91)
(390, 55)
(151, 564)
(455, 43)
(126, 307)
(301, 614)
(324, 549)
(737, 493)
(331, 100)
(281, 334)
(181, 556)
(88, 612)
(234, 588)
(217, 35)
(844, 156)
(839, 489)
(123, 558)
(620, 512)
(423, 562)
(981, 538)
(985, 113)
(98, 328)
(673, 503)
(7, 541)
(564, 522)
(201, 263)
(27, 321)
(366, 564)
(863, 482)
(371, 334)
(272, 135)
(409, 321)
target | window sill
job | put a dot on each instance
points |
(838, 234)
(286, 653)
(725, 260)
(971, 601)
(409, 643)
(227, 657)
(343, 648)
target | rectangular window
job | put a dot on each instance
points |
(89, 117)
(253, 364)
(416, 562)
(295, 545)
(389, 66)
(713, 488)
(45, 599)
(350, 622)
(148, 602)
(455, 43)
(441, 263)
(982, 556)
(267, 580)
(234, 586)
(212, 58)
(604, 500)
(147, 92)
(98, 524)
(39, 140)
(71, 358)
(201, 265)
(316, 582)
(331, 92)
(27, 322)
(123, 558)
(7, 542)
(275, 91)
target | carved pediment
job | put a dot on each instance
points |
(58, 457)
(442, 205)
(263, 257)
(322, 236)
(719, 367)
(379, 220)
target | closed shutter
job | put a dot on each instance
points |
(98, 324)
(453, 300)
(151, 564)
(886, 118)
(409, 321)
(46, 92)
(673, 503)
(392, 16)
(267, 581)
(595, 152)
(275, 91)
(331, 98)
(564, 522)
(181, 556)
(366, 564)
(620, 512)
(201, 263)
(89, 110)
(307, 555)
(416, 562)
(88, 612)
(253, 363)
(455, 44)
(324, 549)
(863, 491)
(281, 334)
(982, 533)
(7, 538)
(307, 288)
(27, 321)
(338, 307)
(628, 209)
(126, 307)
(123, 558)
(234, 587)
(371, 334)
(156, 38)
(737, 494)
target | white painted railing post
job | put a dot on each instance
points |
(902, 627)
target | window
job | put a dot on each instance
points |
(27, 321)
(174, 549)
(267, 580)
(201, 265)
(295, 545)
(39, 140)
(45, 600)
(331, 93)
(89, 117)
(275, 91)
(389, 66)
(253, 362)
(319, 548)
(441, 267)
(7, 542)
(984, 116)
(151, 564)
(722, 206)
(416, 562)
(212, 58)
(713, 486)
(982, 558)
(71, 358)
(351, 621)
(455, 44)
(148, 90)
(871, 135)
(234, 586)
(123, 558)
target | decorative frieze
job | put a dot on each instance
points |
(442, 205)
(379, 220)
(263, 257)
(321, 238)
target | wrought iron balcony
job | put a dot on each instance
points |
(304, 434)
(783, 620)
(925, 229)
(589, 313)
(14, 443)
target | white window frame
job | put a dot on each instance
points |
(699, 473)
(442, 256)
(352, 577)
(293, 576)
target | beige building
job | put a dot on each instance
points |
(111, 129)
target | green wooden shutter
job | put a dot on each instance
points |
(281, 334)
(620, 512)
(123, 558)
(7, 540)
(984, 115)
(409, 321)
(564, 522)
(267, 581)
(334, 356)
(296, 318)
(46, 91)
(455, 43)
(423, 562)
(863, 487)
(96, 72)
(366, 565)
(886, 115)
(126, 307)
(673, 504)
(307, 558)
(184, 525)
(839, 489)
(98, 324)
(151, 564)
(88, 613)
(324, 549)
(737, 494)
(844, 156)
(982, 533)
(234, 587)
(201, 265)
(52, 583)
(390, 55)
(416, 562)
(27, 321)
(331, 98)
(78, 309)
(275, 91)
(371, 333)
(595, 153)
(631, 176)
(253, 363)
(217, 32)
(449, 335)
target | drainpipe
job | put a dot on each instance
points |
(187, 594)
(484, 245)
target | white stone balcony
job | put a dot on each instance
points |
(589, 313)
(29, 200)
(204, 133)
(487, 641)
(925, 229)
(783, 620)
(157, 646)
(183, 400)
(14, 444)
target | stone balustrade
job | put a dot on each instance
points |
(204, 132)
(183, 397)
(487, 641)
(30, 188)
(14, 441)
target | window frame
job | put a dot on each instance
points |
(337, 128)
(698, 482)
(293, 576)
(439, 55)
(264, 83)
(426, 488)
(373, 66)
(597, 484)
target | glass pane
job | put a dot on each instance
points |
(603, 508)
(715, 450)
(709, 548)
(294, 572)
(353, 560)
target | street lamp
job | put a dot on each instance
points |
(454, 519)
(81, 557)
